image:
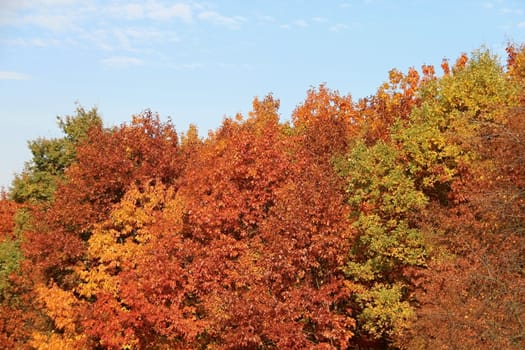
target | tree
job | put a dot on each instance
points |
(242, 251)
(394, 100)
(384, 203)
(325, 122)
(393, 181)
(51, 157)
(470, 294)
(107, 163)
(395, 222)
(10, 253)
(13, 331)
(272, 237)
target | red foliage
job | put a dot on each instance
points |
(247, 257)
(109, 161)
(326, 122)
(461, 62)
(472, 296)
(445, 67)
(393, 101)
(13, 332)
(273, 233)
(8, 209)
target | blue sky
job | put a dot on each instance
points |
(198, 61)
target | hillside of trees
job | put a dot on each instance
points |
(396, 221)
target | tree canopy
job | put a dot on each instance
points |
(396, 221)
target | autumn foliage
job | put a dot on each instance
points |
(391, 222)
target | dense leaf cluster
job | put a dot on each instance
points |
(396, 221)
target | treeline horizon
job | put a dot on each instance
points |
(396, 221)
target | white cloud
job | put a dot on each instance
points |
(154, 10)
(300, 23)
(121, 61)
(160, 12)
(100, 38)
(233, 22)
(62, 15)
(189, 66)
(149, 34)
(130, 11)
(319, 19)
(339, 27)
(53, 22)
(7, 75)
(38, 42)
(41, 42)
(131, 38)
(521, 24)
(266, 18)
(121, 28)
(58, 2)
(512, 11)
(52, 15)
(16, 4)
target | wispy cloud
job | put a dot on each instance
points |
(232, 22)
(150, 34)
(53, 2)
(7, 75)
(512, 11)
(99, 38)
(266, 18)
(209, 65)
(339, 27)
(110, 25)
(161, 12)
(51, 15)
(300, 23)
(521, 25)
(189, 66)
(319, 19)
(154, 10)
(127, 38)
(37, 42)
(121, 62)
(14, 4)
(129, 11)
(125, 33)
(61, 15)
(504, 7)
(130, 39)
(54, 22)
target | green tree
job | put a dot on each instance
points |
(392, 185)
(472, 293)
(10, 253)
(384, 202)
(51, 157)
